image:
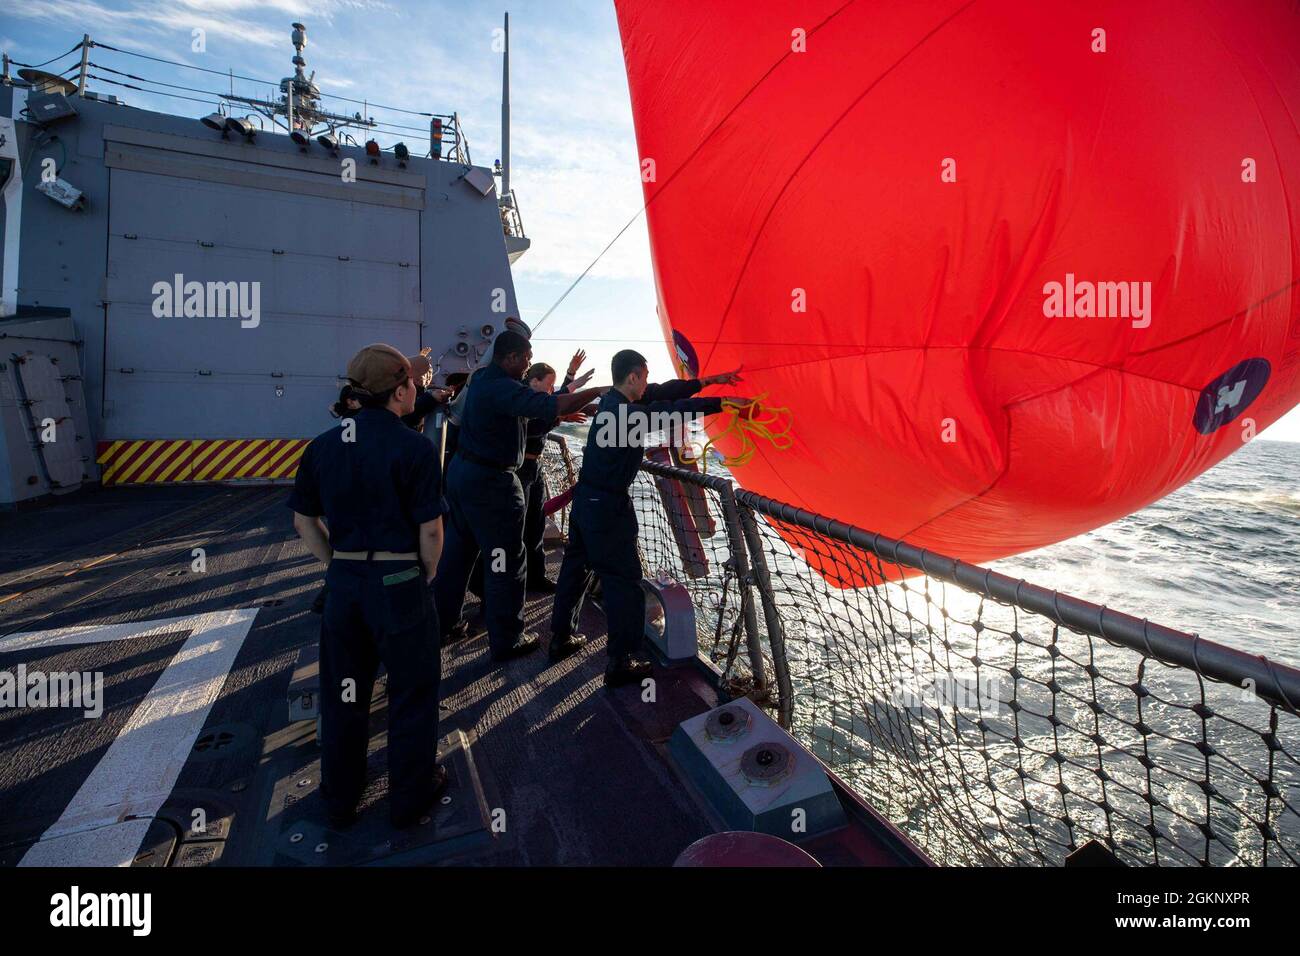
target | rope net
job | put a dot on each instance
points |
(988, 733)
(994, 735)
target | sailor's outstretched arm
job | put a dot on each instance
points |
(685, 387)
(694, 406)
(670, 391)
(577, 401)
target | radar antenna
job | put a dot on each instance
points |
(298, 108)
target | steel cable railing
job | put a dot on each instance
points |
(993, 720)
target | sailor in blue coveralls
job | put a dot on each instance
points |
(377, 484)
(485, 498)
(603, 526)
(541, 378)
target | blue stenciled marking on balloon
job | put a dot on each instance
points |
(1230, 394)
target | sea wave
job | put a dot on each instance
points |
(1219, 557)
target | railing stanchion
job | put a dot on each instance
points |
(775, 632)
(736, 542)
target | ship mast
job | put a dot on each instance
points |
(507, 200)
(298, 107)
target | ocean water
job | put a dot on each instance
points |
(1219, 557)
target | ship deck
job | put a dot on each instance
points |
(196, 761)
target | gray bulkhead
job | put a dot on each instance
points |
(415, 257)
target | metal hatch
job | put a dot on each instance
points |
(336, 266)
(49, 421)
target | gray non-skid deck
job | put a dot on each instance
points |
(548, 767)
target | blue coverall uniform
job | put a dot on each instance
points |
(603, 525)
(374, 492)
(486, 503)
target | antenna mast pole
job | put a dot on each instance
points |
(85, 62)
(506, 199)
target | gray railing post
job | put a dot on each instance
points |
(736, 542)
(775, 632)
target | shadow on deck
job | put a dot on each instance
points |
(548, 767)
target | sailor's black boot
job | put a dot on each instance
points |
(341, 819)
(524, 644)
(541, 585)
(562, 647)
(627, 670)
(409, 818)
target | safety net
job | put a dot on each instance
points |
(991, 720)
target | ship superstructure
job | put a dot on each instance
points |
(199, 282)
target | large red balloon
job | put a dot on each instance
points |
(942, 186)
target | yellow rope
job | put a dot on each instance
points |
(750, 420)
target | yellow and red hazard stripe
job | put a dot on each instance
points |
(151, 461)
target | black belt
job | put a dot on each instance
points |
(375, 556)
(474, 459)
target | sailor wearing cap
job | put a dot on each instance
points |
(485, 499)
(427, 401)
(603, 525)
(377, 484)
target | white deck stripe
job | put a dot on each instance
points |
(92, 634)
(139, 770)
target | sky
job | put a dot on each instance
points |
(574, 162)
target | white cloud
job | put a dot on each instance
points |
(574, 203)
(339, 82)
(123, 26)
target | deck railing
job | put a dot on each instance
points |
(447, 139)
(512, 223)
(993, 720)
